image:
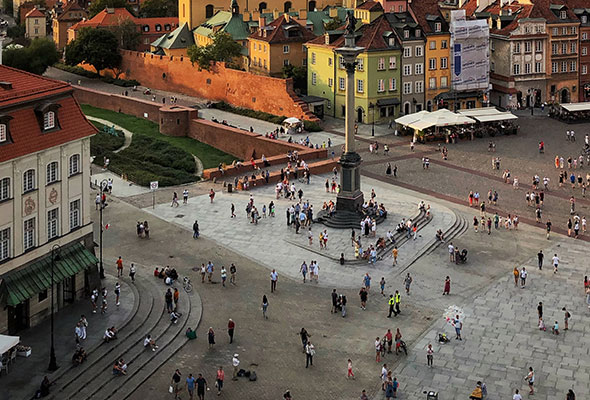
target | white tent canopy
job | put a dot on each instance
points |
(8, 342)
(572, 107)
(480, 111)
(291, 121)
(498, 117)
(425, 119)
(408, 119)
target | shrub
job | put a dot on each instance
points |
(104, 142)
(311, 126)
(74, 69)
(275, 119)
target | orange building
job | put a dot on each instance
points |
(278, 44)
(71, 14)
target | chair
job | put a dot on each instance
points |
(12, 356)
(4, 364)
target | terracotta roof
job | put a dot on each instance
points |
(29, 91)
(424, 11)
(276, 31)
(470, 7)
(71, 6)
(35, 13)
(371, 6)
(113, 16)
(542, 9)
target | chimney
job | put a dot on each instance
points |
(498, 23)
(287, 18)
(275, 14)
(303, 14)
(255, 15)
(261, 22)
(6, 85)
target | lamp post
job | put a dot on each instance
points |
(103, 186)
(372, 108)
(55, 249)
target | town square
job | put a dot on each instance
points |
(294, 200)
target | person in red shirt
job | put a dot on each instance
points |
(220, 378)
(389, 337)
(119, 267)
(231, 325)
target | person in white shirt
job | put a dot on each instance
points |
(236, 364)
(517, 395)
(523, 275)
(555, 263)
(451, 252)
(274, 277)
(148, 341)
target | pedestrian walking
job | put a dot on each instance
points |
(175, 297)
(363, 296)
(264, 307)
(174, 200)
(219, 380)
(566, 318)
(447, 287)
(223, 273)
(334, 308)
(516, 274)
(540, 310)
(117, 293)
(232, 274)
(78, 333)
(429, 355)
(303, 270)
(119, 267)
(349, 373)
(196, 230)
(201, 387)
(451, 252)
(236, 364)
(83, 326)
(309, 353)
(517, 395)
(408, 282)
(540, 257)
(394, 252)
(384, 372)
(175, 383)
(211, 337)
(523, 275)
(555, 263)
(391, 303)
(168, 297)
(530, 378)
(458, 326)
(367, 281)
(132, 272)
(274, 277)
(211, 195)
(185, 196)
(231, 325)
(382, 285)
(398, 300)
(378, 349)
(304, 337)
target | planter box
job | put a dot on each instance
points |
(24, 353)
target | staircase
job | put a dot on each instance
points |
(94, 379)
(307, 114)
(343, 219)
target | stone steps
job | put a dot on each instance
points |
(457, 229)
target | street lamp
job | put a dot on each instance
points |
(55, 250)
(103, 186)
(372, 107)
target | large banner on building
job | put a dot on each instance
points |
(470, 55)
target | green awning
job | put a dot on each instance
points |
(24, 283)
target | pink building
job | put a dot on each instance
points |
(393, 5)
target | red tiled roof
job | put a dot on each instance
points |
(30, 90)
(276, 33)
(371, 6)
(542, 9)
(470, 7)
(420, 9)
(71, 6)
(34, 13)
(113, 16)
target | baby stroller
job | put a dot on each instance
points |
(442, 338)
(462, 257)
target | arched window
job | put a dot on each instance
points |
(28, 180)
(287, 6)
(74, 164)
(311, 6)
(52, 172)
(158, 27)
(209, 10)
(262, 6)
(146, 28)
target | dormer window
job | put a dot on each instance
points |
(562, 14)
(406, 34)
(158, 27)
(437, 27)
(167, 27)
(3, 133)
(48, 120)
(584, 19)
(418, 32)
(146, 28)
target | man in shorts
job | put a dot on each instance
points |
(190, 386)
(201, 387)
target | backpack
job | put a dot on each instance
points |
(568, 314)
(252, 376)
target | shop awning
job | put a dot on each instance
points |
(8, 342)
(387, 102)
(572, 107)
(472, 112)
(23, 283)
(498, 117)
(408, 119)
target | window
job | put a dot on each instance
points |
(341, 84)
(407, 52)
(330, 82)
(381, 85)
(554, 48)
(444, 82)
(432, 83)
(564, 66)
(52, 223)
(564, 30)
(303, 62)
(3, 133)
(418, 33)
(360, 85)
(419, 51)
(528, 47)
(209, 11)
(443, 44)
(584, 51)
(573, 30)
(314, 78)
(29, 180)
(313, 58)
(407, 87)
(341, 62)
(516, 69)
(42, 296)
(527, 29)
(29, 234)
(527, 68)
(444, 62)
(516, 48)
(328, 104)
(158, 28)
(167, 27)
(492, 66)
(573, 48)
(329, 61)
(419, 69)
(52, 172)
(554, 67)
(437, 26)
(49, 120)
(538, 67)
(584, 36)
(360, 64)
(584, 19)
(584, 69)
(265, 63)
(392, 62)
(419, 87)
(407, 70)
(555, 31)
(286, 62)
(406, 34)
(4, 244)
(573, 66)
(432, 45)
(381, 64)
(146, 28)
(4, 188)
(285, 49)
(432, 63)
(562, 14)
(392, 84)
(539, 29)
(564, 48)
(74, 214)
(539, 46)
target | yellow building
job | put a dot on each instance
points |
(367, 12)
(71, 14)
(35, 22)
(277, 45)
(195, 12)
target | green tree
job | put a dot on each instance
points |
(35, 58)
(128, 34)
(223, 49)
(334, 24)
(97, 47)
(16, 31)
(159, 8)
(7, 7)
(299, 75)
(98, 5)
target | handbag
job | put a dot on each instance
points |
(171, 389)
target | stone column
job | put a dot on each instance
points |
(350, 197)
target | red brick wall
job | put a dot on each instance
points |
(118, 103)
(239, 88)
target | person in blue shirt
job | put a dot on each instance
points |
(190, 385)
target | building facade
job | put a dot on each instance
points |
(35, 24)
(71, 14)
(44, 198)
